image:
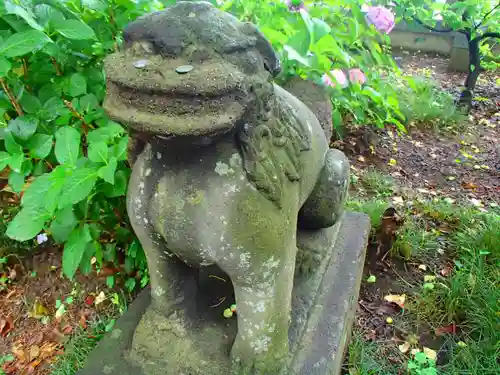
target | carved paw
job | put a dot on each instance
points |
(307, 260)
(268, 362)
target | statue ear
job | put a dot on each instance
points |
(271, 60)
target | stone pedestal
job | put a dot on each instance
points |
(197, 340)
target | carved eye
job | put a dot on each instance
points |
(142, 48)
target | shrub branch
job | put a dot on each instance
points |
(11, 97)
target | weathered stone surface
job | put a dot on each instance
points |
(316, 98)
(226, 166)
(198, 340)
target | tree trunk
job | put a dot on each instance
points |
(465, 100)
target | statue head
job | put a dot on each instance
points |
(189, 70)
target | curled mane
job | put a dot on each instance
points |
(271, 149)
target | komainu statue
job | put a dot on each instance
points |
(226, 167)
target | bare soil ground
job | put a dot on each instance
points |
(34, 328)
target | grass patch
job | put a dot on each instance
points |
(377, 183)
(474, 295)
(80, 345)
(368, 358)
(423, 102)
(374, 208)
(413, 240)
(466, 296)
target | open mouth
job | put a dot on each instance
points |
(167, 96)
(172, 114)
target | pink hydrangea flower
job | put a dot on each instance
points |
(339, 78)
(380, 17)
(357, 76)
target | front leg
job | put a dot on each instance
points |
(171, 281)
(263, 300)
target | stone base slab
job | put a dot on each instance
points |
(323, 307)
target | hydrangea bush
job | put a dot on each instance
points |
(65, 160)
(342, 44)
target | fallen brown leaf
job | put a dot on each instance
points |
(469, 185)
(48, 349)
(6, 325)
(19, 352)
(34, 352)
(404, 347)
(440, 331)
(83, 321)
(398, 299)
(36, 339)
(67, 329)
(445, 271)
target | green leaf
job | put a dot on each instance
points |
(49, 187)
(40, 145)
(88, 103)
(27, 167)
(371, 93)
(74, 250)
(16, 162)
(18, 10)
(110, 281)
(98, 252)
(16, 181)
(420, 357)
(48, 15)
(86, 262)
(27, 223)
(300, 42)
(4, 159)
(294, 55)
(63, 224)
(130, 284)
(15, 150)
(412, 365)
(78, 186)
(67, 145)
(119, 151)
(107, 173)
(53, 108)
(321, 28)
(5, 67)
(77, 85)
(99, 5)
(120, 186)
(98, 152)
(23, 42)
(74, 29)
(39, 169)
(31, 104)
(23, 127)
(11, 145)
(106, 133)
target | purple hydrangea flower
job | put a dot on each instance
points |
(41, 238)
(295, 5)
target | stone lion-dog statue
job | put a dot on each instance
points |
(226, 165)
